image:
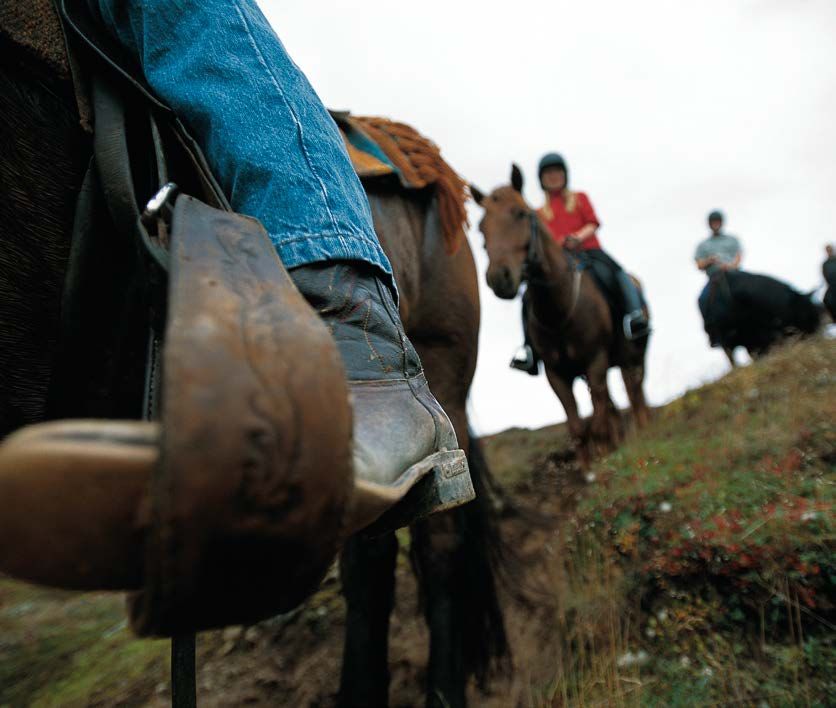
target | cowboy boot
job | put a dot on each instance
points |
(407, 462)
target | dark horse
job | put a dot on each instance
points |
(756, 312)
(569, 320)
(45, 157)
(452, 553)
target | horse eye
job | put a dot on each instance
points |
(520, 214)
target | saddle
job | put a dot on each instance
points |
(603, 275)
(247, 483)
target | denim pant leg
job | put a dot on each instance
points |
(629, 291)
(270, 142)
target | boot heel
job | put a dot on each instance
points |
(451, 484)
(439, 482)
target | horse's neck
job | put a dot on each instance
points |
(553, 294)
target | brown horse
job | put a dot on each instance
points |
(45, 157)
(569, 320)
(452, 553)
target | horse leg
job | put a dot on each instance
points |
(729, 351)
(600, 428)
(633, 379)
(562, 388)
(367, 571)
(436, 547)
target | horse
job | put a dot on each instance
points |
(454, 554)
(756, 312)
(45, 159)
(569, 321)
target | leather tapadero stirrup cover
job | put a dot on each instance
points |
(250, 495)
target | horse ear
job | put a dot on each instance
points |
(478, 195)
(516, 177)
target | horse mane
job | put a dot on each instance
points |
(420, 164)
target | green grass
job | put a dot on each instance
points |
(68, 649)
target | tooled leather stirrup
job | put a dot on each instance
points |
(250, 493)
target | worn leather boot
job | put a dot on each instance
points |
(407, 462)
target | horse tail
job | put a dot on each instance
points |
(484, 557)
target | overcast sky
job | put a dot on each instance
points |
(664, 111)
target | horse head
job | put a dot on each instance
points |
(507, 228)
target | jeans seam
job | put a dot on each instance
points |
(341, 236)
(300, 132)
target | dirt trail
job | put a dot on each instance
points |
(295, 660)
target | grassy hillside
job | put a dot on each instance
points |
(700, 566)
(697, 568)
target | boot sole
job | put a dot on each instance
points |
(439, 482)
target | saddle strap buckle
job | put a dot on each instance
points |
(156, 222)
(160, 205)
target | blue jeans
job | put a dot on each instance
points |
(270, 142)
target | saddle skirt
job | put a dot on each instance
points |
(383, 150)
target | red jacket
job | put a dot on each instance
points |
(564, 224)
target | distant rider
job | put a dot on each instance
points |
(716, 255)
(573, 224)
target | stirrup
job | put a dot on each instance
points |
(524, 360)
(631, 331)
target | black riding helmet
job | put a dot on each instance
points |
(552, 159)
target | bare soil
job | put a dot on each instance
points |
(295, 660)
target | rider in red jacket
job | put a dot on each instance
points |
(574, 225)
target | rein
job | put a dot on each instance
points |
(533, 264)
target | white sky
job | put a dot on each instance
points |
(664, 110)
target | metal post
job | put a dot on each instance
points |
(183, 672)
